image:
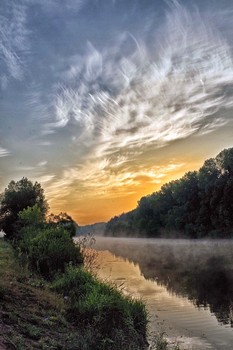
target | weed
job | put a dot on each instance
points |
(15, 341)
(32, 332)
(85, 244)
(159, 342)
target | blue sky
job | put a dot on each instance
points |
(103, 101)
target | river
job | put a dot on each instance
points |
(187, 285)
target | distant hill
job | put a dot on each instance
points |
(97, 229)
(197, 205)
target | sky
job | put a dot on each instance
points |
(103, 101)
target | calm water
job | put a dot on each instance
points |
(186, 285)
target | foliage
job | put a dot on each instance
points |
(121, 225)
(105, 318)
(32, 216)
(91, 302)
(75, 283)
(63, 220)
(197, 205)
(16, 197)
(32, 222)
(32, 317)
(51, 250)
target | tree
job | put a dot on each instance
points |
(196, 205)
(32, 216)
(63, 220)
(224, 160)
(16, 197)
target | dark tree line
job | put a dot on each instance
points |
(198, 204)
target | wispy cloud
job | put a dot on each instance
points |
(98, 179)
(134, 101)
(55, 6)
(13, 39)
(15, 32)
(42, 163)
(45, 178)
(109, 106)
(123, 104)
(4, 152)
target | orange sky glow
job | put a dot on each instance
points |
(102, 102)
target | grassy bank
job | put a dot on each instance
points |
(74, 311)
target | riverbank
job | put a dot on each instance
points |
(35, 316)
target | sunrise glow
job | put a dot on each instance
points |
(103, 102)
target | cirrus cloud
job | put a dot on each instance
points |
(136, 101)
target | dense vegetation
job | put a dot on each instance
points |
(102, 317)
(16, 197)
(197, 205)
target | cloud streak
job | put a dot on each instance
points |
(13, 40)
(56, 6)
(98, 179)
(15, 34)
(4, 152)
(123, 103)
(135, 101)
(97, 113)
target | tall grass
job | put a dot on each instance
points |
(117, 319)
(159, 341)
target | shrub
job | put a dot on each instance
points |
(75, 283)
(106, 309)
(51, 250)
(23, 246)
(101, 306)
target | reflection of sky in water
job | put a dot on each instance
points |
(177, 315)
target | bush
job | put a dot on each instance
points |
(32, 222)
(106, 309)
(23, 245)
(51, 250)
(75, 283)
(101, 306)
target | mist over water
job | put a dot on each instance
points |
(187, 285)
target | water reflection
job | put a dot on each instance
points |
(200, 271)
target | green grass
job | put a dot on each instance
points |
(34, 315)
(104, 308)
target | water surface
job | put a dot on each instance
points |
(186, 285)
